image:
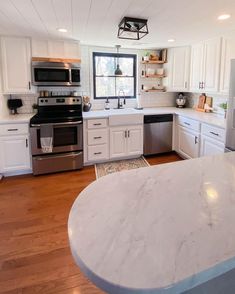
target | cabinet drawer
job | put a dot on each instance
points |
(97, 123)
(97, 152)
(14, 129)
(213, 132)
(96, 137)
(189, 123)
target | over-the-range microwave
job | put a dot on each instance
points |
(55, 74)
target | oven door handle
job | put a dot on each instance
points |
(58, 156)
(58, 124)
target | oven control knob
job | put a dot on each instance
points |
(74, 100)
(77, 100)
(42, 100)
(46, 100)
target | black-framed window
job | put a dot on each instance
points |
(106, 84)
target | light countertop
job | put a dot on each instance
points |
(209, 118)
(159, 229)
(15, 119)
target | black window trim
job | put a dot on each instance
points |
(120, 55)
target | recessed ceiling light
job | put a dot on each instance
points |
(62, 30)
(171, 40)
(224, 16)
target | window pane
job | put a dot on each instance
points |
(126, 85)
(105, 65)
(126, 66)
(105, 87)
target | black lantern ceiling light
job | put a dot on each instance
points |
(118, 71)
(132, 28)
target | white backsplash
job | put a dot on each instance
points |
(217, 100)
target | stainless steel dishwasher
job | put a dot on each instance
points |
(157, 133)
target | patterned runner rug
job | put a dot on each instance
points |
(103, 169)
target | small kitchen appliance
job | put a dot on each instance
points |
(180, 100)
(13, 104)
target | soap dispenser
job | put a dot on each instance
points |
(107, 106)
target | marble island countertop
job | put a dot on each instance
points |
(160, 229)
(209, 118)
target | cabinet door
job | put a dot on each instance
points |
(179, 68)
(210, 146)
(196, 72)
(228, 53)
(40, 48)
(135, 140)
(15, 153)
(56, 49)
(188, 143)
(16, 63)
(118, 142)
(72, 50)
(212, 57)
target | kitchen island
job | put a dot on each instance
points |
(159, 229)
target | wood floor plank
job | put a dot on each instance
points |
(34, 251)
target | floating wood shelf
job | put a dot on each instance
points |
(153, 62)
(154, 90)
(64, 60)
(154, 76)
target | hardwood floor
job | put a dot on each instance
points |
(34, 250)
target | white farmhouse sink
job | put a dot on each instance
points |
(126, 116)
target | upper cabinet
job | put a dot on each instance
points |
(228, 53)
(178, 69)
(205, 66)
(16, 65)
(56, 49)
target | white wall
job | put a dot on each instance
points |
(145, 99)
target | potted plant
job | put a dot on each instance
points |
(146, 57)
(224, 106)
(35, 107)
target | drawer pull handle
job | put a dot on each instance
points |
(97, 153)
(196, 140)
(188, 124)
(98, 137)
(215, 134)
(98, 124)
(12, 130)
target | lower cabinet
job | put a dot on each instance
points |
(15, 154)
(194, 139)
(188, 142)
(210, 146)
(126, 141)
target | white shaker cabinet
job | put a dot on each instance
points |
(179, 64)
(210, 146)
(212, 55)
(188, 143)
(205, 66)
(126, 141)
(196, 73)
(56, 49)
(228, 53)
(15, 153)
(15, 157)
(118, 142)
(16, 65)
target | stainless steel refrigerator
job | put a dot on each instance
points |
(230, 133)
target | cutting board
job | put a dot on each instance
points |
(201, 101)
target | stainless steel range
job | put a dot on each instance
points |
(56, 133)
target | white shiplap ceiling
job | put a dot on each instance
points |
(95, 21)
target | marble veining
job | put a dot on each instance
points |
(159, 229)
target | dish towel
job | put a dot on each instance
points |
(46, 138)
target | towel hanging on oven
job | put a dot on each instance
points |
(46, 138)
